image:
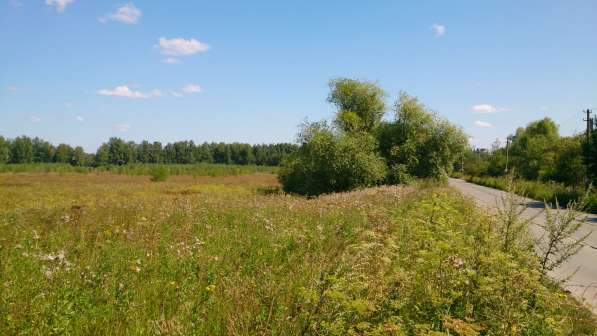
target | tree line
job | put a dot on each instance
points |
(359, 148)
(117, 151)
(538, 152)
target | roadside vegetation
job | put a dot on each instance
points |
(227, 255)
(547, 166)
(361, 149)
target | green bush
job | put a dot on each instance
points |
(159, 174)
(328, 162)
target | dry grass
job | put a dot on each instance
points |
(116, 254)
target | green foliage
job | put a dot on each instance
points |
(418, 140)
(159, 174)
(200, 169)
(4, 150)
(560, 243)
(589, 150)
(542, 191)
(21, 150)
(360, 104)
(329, 162)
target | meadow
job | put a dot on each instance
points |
(198, 169)
(101, 253)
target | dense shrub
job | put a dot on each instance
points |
(419, 143)
(328, 162)
(159, 174)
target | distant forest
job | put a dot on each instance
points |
(116, 151)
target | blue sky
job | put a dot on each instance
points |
(80, 71)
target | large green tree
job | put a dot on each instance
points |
(418, 143)
(532, 149)
(361, 105)
(21, 150)
(4, 150)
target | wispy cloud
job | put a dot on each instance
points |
(192, 88)
(59, 4)
(80, 119)
(487, 108)
(34, 119)
(122, 127)
(483, 124)
(125, 91)
(188, 89)
(128, 14)
(439, 29)
(11, 88)
(181, 46)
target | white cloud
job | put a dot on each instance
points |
(125, 91)
(34, 119)
(122, 127)
(181, 47)
(80, 119)
(439, 29)
(486, 108)
(483, 124)
(11, 88)
(128, 14)
(192, 88)
(171, 60)
(59, 4)
(176, 94)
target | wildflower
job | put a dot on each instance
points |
(210, 288)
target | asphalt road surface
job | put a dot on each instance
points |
(581, 269)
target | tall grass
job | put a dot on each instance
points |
(119, 255)
(200, 169)
(541, 191)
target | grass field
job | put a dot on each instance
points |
(109, 254)
(199, 169)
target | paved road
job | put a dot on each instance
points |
(582, 267)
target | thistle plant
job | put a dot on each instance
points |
(560, 240)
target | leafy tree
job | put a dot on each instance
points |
(360, 104)
(568, 162)
(4, 150)
(418, 142)
(118, 152)
(531, 148)
(589, 149)
(43, 151)
(21, 150)
(64, 153)
(156, 154)
(102, 156)
(79, 158)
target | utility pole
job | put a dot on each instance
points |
(507, 151)
(589, 121)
